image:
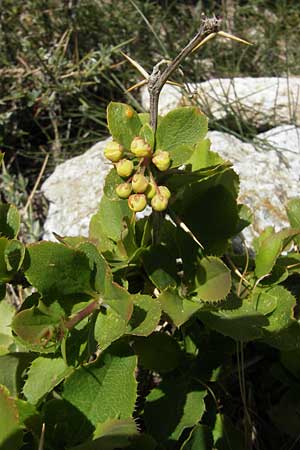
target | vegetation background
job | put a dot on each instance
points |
(60, 65)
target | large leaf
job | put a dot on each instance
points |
(105, 389)
(123, 123)
(159, 352)
(179, 309)
(174, 405)
(57, 270)
(213, 280)
(44, 374)
(11, 436)
(9, 221)
(179, 131)
(200, 438)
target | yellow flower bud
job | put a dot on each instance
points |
(140, 148)
(161, 160)
(159, 202)
(137, 202)
(139, 183)
(113, 151)
(150, 191)
(124, 168)
(164, 191)
(123, 190)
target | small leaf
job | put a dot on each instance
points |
(145, 317)
(7, 312)
(147, 134)
(203, 157)
(109, 327)
(200, 438)
(179, 309)
(14, 255)
(293, 213)
(105, 389)
(44, 374)
(11, 436)
(159, 352)
(119, 300)
(5, 274)
(123, 123)
(213, 280)
(160, 266)
(12, 367)
(9, 221)
(181, 127)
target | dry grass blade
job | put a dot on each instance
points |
(233, 38)
(137, 66)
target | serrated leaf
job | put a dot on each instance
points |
(57, 270)
(107, 388)
(7, 312)
(9, 221)
(176, 404)
(109, 327)
(180, 130)
(293, 213)
(123, 123)
(11, 436)
(179, 309)
(12, 368)
(236, 319)
(145, 317)
(44, 374)
(213, 280)
(200, 438)
(159, 352)
(282, 330)
(203, 157)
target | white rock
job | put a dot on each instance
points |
(74, 191)
(260, 101)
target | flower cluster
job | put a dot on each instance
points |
(140, 187)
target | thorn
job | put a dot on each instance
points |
(137, 85)
(137, 66)
(208, 38)
(233, 38)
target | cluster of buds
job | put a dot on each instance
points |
(133, 166)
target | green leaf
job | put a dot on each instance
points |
(270, 249)
(213, 280)
(57, 270)
(111, 182)
(236, 319)
(12, 368)
(105, 389)
(1, 157)
(176, 404)
(203, 157)
(179, 309)
(293, 213)
(35, 329)
(179, 130)
(112, 434)
(200, 438)
(145, 317)
(108, 219)
(123, 123)
(282, 330)
(44, 374)
(7, 312)
(9, 221)
(159, 352)
(11, 436)
(160, 265)
(226, 436)
(119, 300)
(109, 327)
(147, 134)
(5, 275)
(98, 265)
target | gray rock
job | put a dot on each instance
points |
(74, 191)
(260, 101)
(269, 172)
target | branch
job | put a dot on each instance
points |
(157, 78)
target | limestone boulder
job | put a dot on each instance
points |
(260, 101)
